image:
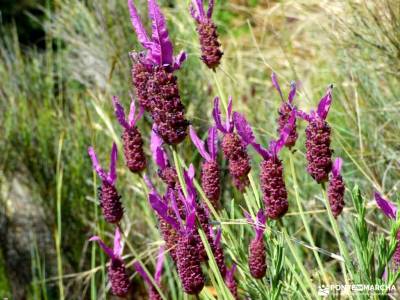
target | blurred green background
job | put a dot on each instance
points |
(61, 61)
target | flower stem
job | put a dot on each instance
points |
(305, 221)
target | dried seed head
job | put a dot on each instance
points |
(210, 47)
(133, 150)
(140, 75)
(118, 277)
(257, 258)
(273, 188)
(336, 191)
(284, 114)
(166, 108)
(210, 182)
(110, 203)
(189, 269)
(319, 154)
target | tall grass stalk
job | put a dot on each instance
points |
(58, 233)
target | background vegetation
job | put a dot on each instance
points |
(60, 63)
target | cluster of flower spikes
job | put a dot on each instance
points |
(210, 46)
(336, 188)
(152, 73)
(285, 111)
(188, 260)
(233, 147)
(153, 293)
(318, 140)
(131, 137)
(390, 210)
(257, 253)
(117, 274)
(271, 176)
(210, 170)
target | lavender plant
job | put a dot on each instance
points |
(210, 170)
(233, 147)
(152, 74)
(210, 46)
(117, 274)
(257, 253)
(285, 111)
(108, 195)
(336, 189)
(318, 139)
(271, 176)
(131, 137)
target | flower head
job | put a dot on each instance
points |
(109, 198)
(131, 137)
(208, 37)
(153, 293)
(318, 139)
(257, 253)
(336, 188)
(159, 49)
(117, 274)
(285, 111)
(210, 171)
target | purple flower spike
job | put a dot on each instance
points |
(152, 74)
(257, 253)
(109, 199)
(276, 84)
(233, 147)
(131, 137)
(208, 37)
(387, 207)
(336, 189)
(318, 140)
(117, 275)
(210, 170)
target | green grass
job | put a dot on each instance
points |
(56, 101)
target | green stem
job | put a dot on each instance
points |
(342, 248)
(305, 220)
